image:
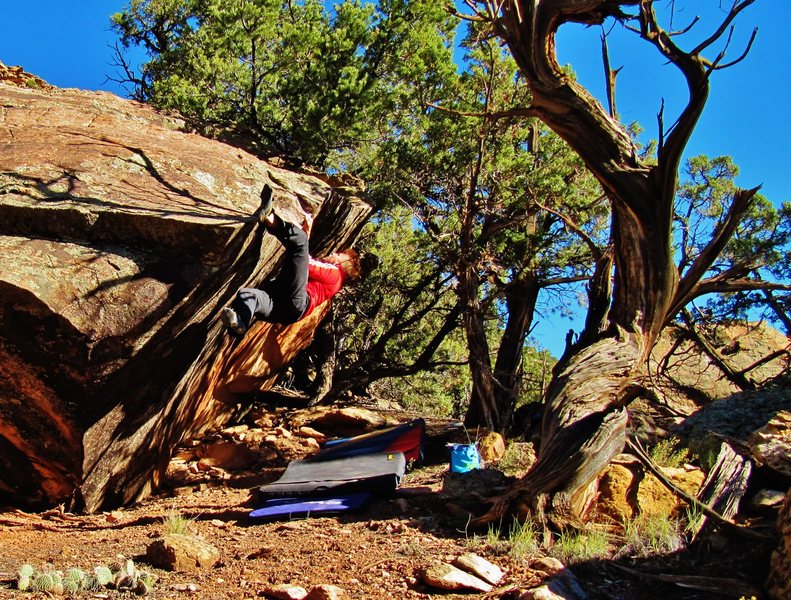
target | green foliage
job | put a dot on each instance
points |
(475, 213)
(302, 81)
(669, 453)
(355, 88)
(473, 187)
(651, 535)
(391, 324)
(577, 546)
(536, 370)
(759, 250)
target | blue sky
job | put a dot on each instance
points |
(69, 45)
(747, 114)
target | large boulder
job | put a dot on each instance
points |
(681, 374)
(122, 236)
(626, 492)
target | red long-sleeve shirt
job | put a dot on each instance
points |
(324, 281)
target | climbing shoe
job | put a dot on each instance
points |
(266, 204)
(231, 320)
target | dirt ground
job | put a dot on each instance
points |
(375, 553)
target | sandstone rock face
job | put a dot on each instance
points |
(624, 492)
(17, 76)
(691, 377)
(771, 444)
(121, 239)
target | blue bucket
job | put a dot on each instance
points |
(464, 457)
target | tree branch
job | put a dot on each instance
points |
(738, 379)
(520, 113)
(738, 6)
(717, 286)
(569, 222)
(720, 237)
(742, 56)
(640, 453)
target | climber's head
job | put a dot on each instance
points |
(354, 265)
(347, 261)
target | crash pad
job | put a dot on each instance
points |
(406, 438)
(379, 473)
(291, 508)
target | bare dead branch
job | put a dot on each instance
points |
(738, 6)
(741, 57)
(699, 338)
(513, 113)
(766, 359)
(650, 465)
(610, 76)
(719, 286)
(686, 29)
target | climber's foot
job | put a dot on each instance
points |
(231, 320)
(266, 204)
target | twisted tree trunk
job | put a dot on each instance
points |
(585, 418)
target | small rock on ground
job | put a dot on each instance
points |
(285, 592)
(325, 592)
(448, 577)
(180, 552)
(480, 567)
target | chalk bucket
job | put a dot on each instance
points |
(464, 457)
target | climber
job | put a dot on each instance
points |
(303, 282)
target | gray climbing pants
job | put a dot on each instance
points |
(284, 298)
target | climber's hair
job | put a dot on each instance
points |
(353, 265)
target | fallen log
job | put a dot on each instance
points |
(121, 239)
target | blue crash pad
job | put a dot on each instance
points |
(290, 508)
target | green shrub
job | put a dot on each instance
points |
(578, 546)
(669, 453)
(176, 523)
(650, 535)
